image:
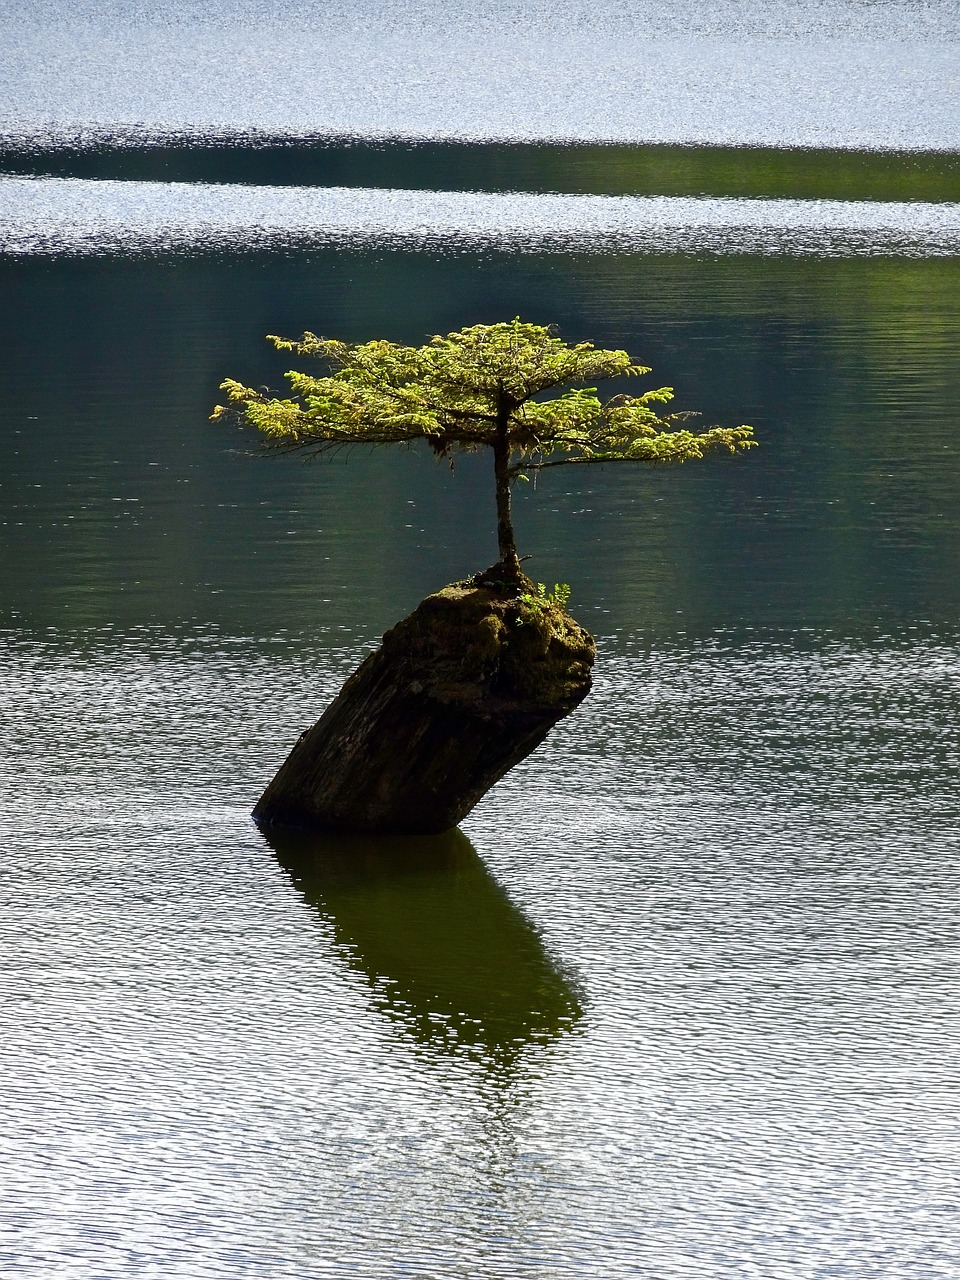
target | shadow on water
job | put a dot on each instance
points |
(449, 957)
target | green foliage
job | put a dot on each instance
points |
(535, 602)
(461, 390)
(513, 387)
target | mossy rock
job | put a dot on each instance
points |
(459, 692)
(467, 642)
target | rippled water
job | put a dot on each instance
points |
(846, 73)
(694, 1014)
(62, 215)
(679, 1002)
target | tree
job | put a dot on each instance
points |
(514, 388)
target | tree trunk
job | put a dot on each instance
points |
(506, 543)
(459, 692)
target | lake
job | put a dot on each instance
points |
(679, 1000)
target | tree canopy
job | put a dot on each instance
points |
(512, 387)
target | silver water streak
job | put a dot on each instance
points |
(63, 215)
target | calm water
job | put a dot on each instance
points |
(679, 1002)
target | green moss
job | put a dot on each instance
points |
(470, 643)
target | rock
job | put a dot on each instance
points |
(458, 693)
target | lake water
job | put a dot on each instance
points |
(784, 72)
(679, 1002)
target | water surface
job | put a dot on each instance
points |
(123, 505)
(680, 1000)
(708, 1025)
(653, 169)
(850, 73)
(73, 215)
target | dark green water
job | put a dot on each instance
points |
(768, 173)
(122, 505)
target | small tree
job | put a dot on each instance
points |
(483, 387)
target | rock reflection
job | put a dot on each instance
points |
(448, 955)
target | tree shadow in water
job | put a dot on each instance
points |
(448, 955)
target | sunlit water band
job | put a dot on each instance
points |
(75, 216)
(804, 73)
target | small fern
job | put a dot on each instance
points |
(558, 596)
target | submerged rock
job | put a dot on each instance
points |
(457, 694)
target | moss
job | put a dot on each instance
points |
(470, 642)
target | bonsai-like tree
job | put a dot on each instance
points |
(514, 388)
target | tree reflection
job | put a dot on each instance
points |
(448, 955)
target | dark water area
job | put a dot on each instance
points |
(679, 1001)
(123, 506)
(452, 165)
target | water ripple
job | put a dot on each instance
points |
(733, 877)
(62, 215)
(804, 73)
